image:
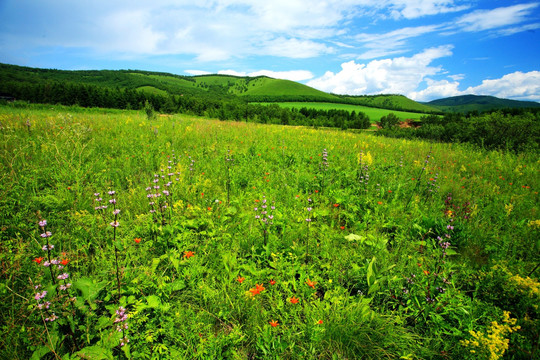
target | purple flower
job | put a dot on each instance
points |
(43, 223)
(63, 276)
(114, 224)
(112, 192)
(116, 211)
(39, 296)
(96, 194)
(46, 234)
(52, 317)
(308, 220)
(112, 201)
(450, 227)
(47, 248)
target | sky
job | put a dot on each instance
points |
(423, 49)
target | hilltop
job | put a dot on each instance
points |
(480, 103)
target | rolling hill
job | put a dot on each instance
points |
(480, 103)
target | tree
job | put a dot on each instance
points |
(389, 121)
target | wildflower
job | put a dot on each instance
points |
(426, 272)
(293, 300)
(240, 279)
(116, 211)
(320, 322)
(65, 287)
(63, 276)
(336, 205)
(272, 282)
(114, 224)
(311, 283)
(47, 247)
(41, 295)
(188, 254)
(342, 227)
(64, 262)
(43, 223)
(256, 290)
(51, 318)
(137, 240)
(274, 323)
(46, 234)
(38, 260)
(379, 202)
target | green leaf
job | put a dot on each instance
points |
(89, 288)
(354, 237)
(40, 352)
(153, 301)
(95, 353)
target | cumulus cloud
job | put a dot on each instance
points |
(517, 85)
(411, 9)
(401, 75)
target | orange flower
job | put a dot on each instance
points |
(316, 191)
(240, 279)
(336, 205)
(311, 283)
(342, 227)
(272, 282)
(426, 272)
(137, 240)
(379, 202)
(320, 322)
(274, 323)
(293, 300)
(38, 260)
(209, 208)
(64, 262)
(256, 290)
(188, 254)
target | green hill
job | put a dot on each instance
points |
(480, 103)
(226, 87)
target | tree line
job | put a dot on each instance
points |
(509, 129)
(209, 105)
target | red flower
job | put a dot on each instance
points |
(38, 260)
(209, 208)
(316, 191)
(188, 254)
(257, 290)
(311, 283)
(336, 205)
(64, 262)
(137, 240)
(379, 202)
(342, 227)
(274, 323)
(272, 282)
(320, 322)
(293, 300)
(240, 279)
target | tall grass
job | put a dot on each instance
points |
(208, 283)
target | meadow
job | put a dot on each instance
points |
(373, 113)
(168, 237)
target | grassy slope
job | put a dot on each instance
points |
(373, 113)
(393, 101)
(467, 103)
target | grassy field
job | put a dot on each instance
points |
(181, 237)
(374, 114)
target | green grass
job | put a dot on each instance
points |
(371, 276)
(374, 114)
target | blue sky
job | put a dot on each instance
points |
(424, 49)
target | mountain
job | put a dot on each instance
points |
(468, 103)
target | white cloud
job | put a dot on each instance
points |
(411, 9)
(294, 75)
(495, 18)
(401, 75)
(517, 85)
(392, 42)
(197, 72)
